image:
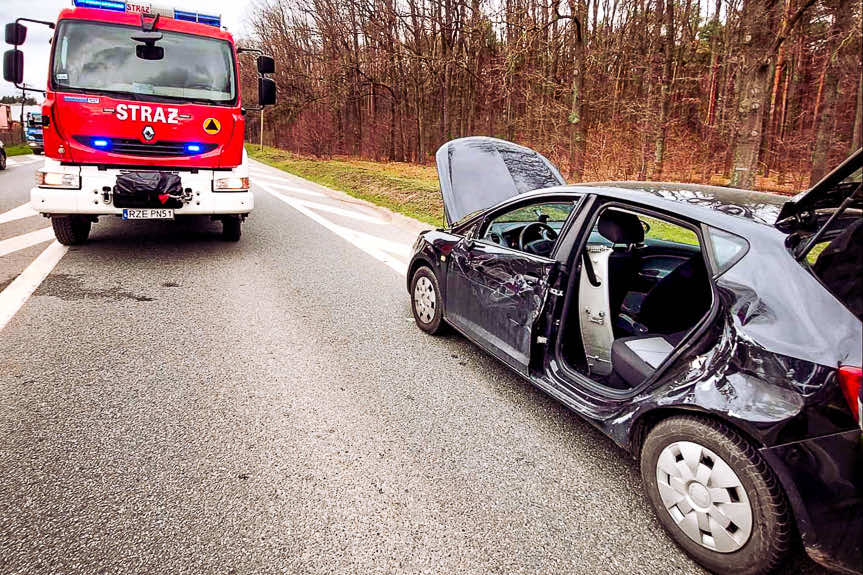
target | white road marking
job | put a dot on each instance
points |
(22, 287)
(343, 212)
(267, 176)
(22, 211)
(294, 189)
(25, 241)
(22, 160)
(372, 245)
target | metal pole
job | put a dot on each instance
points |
(23, 127)
(262, 129)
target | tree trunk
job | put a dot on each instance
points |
(757, 27)
(838, 59)
(665, 91)
(857, 136)
(578, 107)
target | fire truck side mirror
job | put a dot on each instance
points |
(13, 66)
(266, 65)
(266, 92)
(15, 33)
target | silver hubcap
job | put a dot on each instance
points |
(424, 300)
(704, 496)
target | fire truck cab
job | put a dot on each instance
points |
(142, 117)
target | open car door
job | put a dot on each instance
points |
(495, 293)
(833, 210)
(839, 188)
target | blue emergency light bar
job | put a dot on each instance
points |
(146, 8)
(103, 4)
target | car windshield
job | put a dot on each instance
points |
(549, 213)
(98, 57)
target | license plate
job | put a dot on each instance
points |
(147, 214)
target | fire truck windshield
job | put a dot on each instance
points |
(101, 58)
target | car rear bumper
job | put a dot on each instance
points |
(823, 478)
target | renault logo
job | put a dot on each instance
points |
(149, 133)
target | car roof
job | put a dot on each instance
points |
(726, 208)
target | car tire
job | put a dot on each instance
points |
(713, 449)
(2, 160)
(426, 301)
(71, 230)
(232, 229)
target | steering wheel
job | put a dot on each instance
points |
(545, 234)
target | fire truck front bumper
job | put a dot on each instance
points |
(94, 194)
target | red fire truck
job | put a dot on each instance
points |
(142, 117)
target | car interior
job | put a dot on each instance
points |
(643, 286)
(533, 228)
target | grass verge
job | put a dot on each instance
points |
(17, 150)
(405, 188)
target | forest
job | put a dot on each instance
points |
(764, 94)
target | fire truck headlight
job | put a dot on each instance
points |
(58, 180)
(230, 184)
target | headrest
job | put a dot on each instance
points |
(621, 227)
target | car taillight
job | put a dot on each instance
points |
(851, 382)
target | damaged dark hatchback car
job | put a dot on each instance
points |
(713, 333)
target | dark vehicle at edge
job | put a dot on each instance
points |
(713, 333)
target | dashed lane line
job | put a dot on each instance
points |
(343, 212)
(372, 245)
(292, 189)
(22, 211)
(25, 241)
(23, 160)
(22, 287)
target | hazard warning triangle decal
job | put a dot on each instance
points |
(212, 126)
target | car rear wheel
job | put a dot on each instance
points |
(2, 160)
(426, 301)
(715, 496)
(232, 229)
(71, 230)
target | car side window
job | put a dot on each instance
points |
(532, 228)
(655, 230)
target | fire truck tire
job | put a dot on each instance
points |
(70, 230)
(231, 228)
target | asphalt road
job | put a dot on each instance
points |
(170, 403)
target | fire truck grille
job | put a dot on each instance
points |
(133, 147)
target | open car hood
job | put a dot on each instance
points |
(479, 172)
(828, 193)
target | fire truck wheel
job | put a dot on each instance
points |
(231, 228)
(70, 230)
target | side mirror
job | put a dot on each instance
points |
(266, 91)
(15, 33)
(13, 66)
(266, 65)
